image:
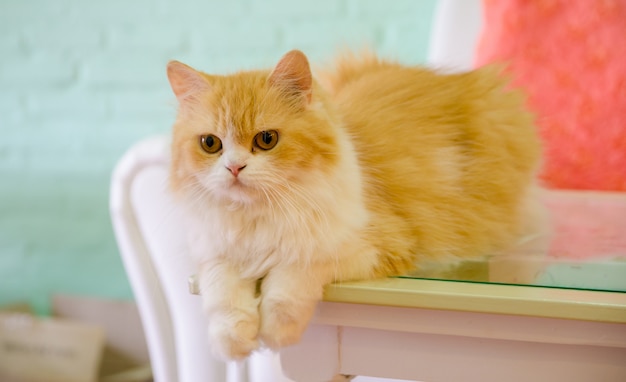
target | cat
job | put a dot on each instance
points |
(370, 169)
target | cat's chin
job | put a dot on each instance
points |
(239, 194)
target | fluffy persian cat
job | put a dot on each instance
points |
(372, 169)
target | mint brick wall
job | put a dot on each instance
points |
(81, 80)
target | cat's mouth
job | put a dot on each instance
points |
(239, 188)
(237, 183)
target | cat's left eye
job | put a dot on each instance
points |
(266, 140)
(210, 143)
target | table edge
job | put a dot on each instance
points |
(483, 298)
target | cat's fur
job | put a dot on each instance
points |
(380, 170)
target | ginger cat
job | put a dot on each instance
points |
(291, 185)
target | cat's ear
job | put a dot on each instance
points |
(293, 75)
(185, 80)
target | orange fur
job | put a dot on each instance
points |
(447, 159)
(379, 169)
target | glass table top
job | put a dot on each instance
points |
(586, 248)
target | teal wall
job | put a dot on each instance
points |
(81, 80)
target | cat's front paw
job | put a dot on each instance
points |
(233, 336)
(282, 323)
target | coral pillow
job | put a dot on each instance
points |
(570, 56)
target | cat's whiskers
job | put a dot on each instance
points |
(313, 202)
(301, 191)
(298, 194)
(292, 221)
(288, 206)
(197, 193)
(319, 224)
(273, 204)
(296, 208)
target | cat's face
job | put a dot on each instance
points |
(250, 137)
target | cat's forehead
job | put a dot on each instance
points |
(235, 117)
(240, 105)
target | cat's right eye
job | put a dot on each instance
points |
(210, 143)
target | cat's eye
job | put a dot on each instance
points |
(210, 143)
(266, 140)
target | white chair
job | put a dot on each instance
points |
(455, 32)
(152, 244)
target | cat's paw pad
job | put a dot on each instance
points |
(233, 339)
(282, 324)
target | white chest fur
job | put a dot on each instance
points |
(295, 228)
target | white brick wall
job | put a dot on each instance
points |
(81, 80)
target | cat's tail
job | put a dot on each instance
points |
(347, 67)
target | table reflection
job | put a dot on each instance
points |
(586, 248)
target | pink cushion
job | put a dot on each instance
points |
(570, 56)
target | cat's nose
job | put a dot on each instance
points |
(235, 168)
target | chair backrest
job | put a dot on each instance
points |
(152, 245)
(455, 32)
